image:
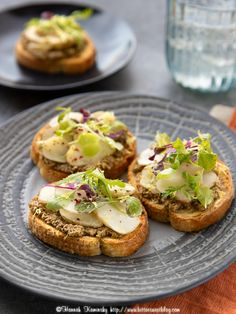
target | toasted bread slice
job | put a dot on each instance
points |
(112, 170)
(194, 219)
(124, 245)
(76, 64)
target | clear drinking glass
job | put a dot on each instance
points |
(201, 43)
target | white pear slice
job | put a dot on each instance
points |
(144, 160)
(75, 158)
(69, 213)
(106, 116)
(47, 194)
(48, 132)
(77, 116)
(182, 197)
(55, 148)
(209, 179)
(117, 220)
(116, 191)
(148, 179)
(190, 168)
(174, 180)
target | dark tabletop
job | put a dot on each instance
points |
(146, 73)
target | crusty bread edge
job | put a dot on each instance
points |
(88, 245)
(188, 222)
(72, 65)
(52, 175)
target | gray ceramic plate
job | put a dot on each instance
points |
(170, 262)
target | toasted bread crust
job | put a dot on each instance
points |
(77, 64)
(88, 245)
(196, 220)
(52, 175)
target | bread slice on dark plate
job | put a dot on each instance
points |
(56, 44)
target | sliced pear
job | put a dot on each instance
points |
(75, 157)
(106, 116)
(148, 179)
(117, 220)
(47, 194)
(209, 179)
(190, 168)
(48, 132)
(69, 213)
(77, 116)
(144, 160)
(117, 191)
(174, 180)
(55, 148)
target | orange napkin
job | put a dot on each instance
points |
(225, 114)
(217, 296)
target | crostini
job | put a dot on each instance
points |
(89, 215)
(56, 43)
(182, 182)
(77, 141)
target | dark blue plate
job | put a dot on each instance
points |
(114, 40)
(169, 263)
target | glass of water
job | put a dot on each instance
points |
(201, 43)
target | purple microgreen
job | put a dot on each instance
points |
(46, 15)
(85, 113)
(89, 193)
(193, 158)
(170, 151)
(116, 135)
(61, 187)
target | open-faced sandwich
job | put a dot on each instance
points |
(182, 182)
(87, 214)
(56, 43)
(77, 141)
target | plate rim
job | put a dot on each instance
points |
(132, 299)
(122, 64)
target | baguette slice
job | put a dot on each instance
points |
(90, 245)
(51, 175)
(194, 220)
(77, 64)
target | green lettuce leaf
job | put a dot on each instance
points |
(204, 195)
(162, 139)
(133, 206)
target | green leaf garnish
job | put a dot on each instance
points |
(64, 112)
(134, 206)
(179, 146)
(207, 160)
(89, 144)
(102, 189)
(204, 196)
(162, 139)
(53, 206)
(164, 174)
(170, 192)
(82, 14)
(85, 207)
(113, 144)
(64, 27)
